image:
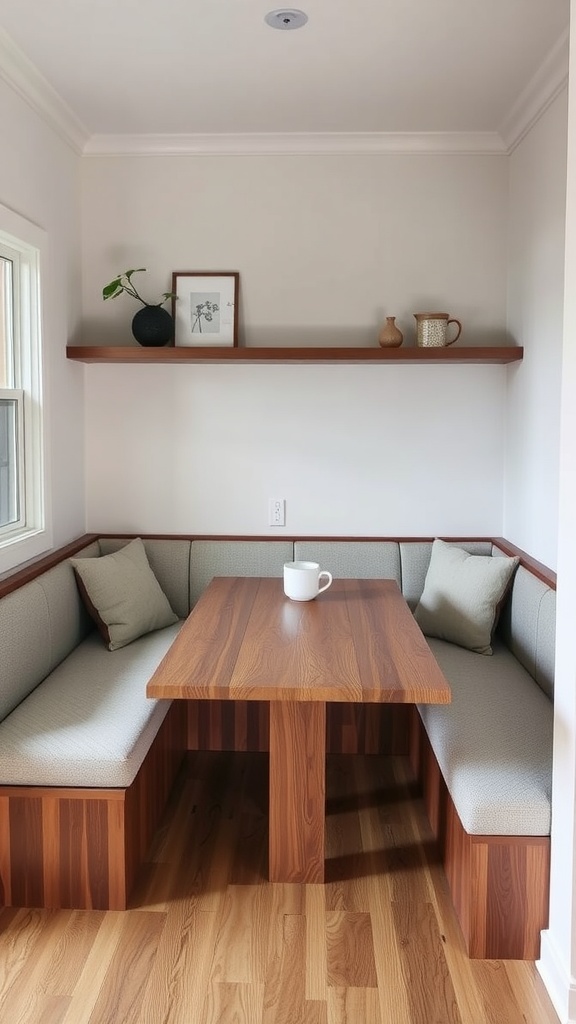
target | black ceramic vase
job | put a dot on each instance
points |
(153, 325)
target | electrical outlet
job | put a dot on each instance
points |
(277, 512)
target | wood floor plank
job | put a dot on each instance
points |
(234, 1003)
(241, 949)
(432, 880)
(350, 950)
(530, 992)
(392, 990)
(347, 865)
(26, 999)
(42, 1009)
(285, 992)
(316, 943)
(70, 952)
(250, 863)
(427, 978)
(177, 987)
(23, 964)
(351, 1005)
(103, 950)
(502, 1000)
(121, 994)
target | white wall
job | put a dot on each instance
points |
(326, 247)
(406, 450)
(558, 959)
(537, 213)
(39, 179)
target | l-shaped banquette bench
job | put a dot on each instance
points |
(87, 761)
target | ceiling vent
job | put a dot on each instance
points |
(286, 19)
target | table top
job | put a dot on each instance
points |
(356, 642)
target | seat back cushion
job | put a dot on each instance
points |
(209, 558)
(24, 644)
(40, 624)
(528, 625)
(352, 559)
(70, 622)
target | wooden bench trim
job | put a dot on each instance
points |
(538, 569)
(13, 580)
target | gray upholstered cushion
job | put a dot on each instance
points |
(89, 723)
(462, 595)
(493, 743)
(210, 558)
(528, 626)
(40, 623)
(354, 559)
(123, 594)
(69, 619)
(24, 644)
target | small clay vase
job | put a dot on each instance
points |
(390, 335)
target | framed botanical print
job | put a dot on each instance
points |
(205, 307)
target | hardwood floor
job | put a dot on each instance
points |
(209, 941)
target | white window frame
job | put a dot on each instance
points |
(33, 534)
(15, 526)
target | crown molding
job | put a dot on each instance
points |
(24, 78)
(295, 143)
(543, 88)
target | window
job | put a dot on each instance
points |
(23, 514)
(11, 460)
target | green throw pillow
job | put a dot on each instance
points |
(462, 596)
(123, 595)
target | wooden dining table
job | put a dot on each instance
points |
(245, 640)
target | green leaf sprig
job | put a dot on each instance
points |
(124, 283)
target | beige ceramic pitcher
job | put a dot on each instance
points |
(432, 329)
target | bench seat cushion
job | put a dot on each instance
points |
(89, 723)
(493, 743)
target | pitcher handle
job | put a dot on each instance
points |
(454, 321)
(326, 585)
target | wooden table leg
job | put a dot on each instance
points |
(297, 791)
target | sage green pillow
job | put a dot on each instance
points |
(462, 596)
(123, 595)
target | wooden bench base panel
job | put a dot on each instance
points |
(499, 884)
(350, 728)
(81, 848)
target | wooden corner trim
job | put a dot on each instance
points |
(38, 566)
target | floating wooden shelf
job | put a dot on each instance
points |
(136, 354)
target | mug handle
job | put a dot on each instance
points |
(453, 321)
(326, 585)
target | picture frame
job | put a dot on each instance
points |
(205, 307)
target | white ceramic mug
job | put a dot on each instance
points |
(302, 580)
